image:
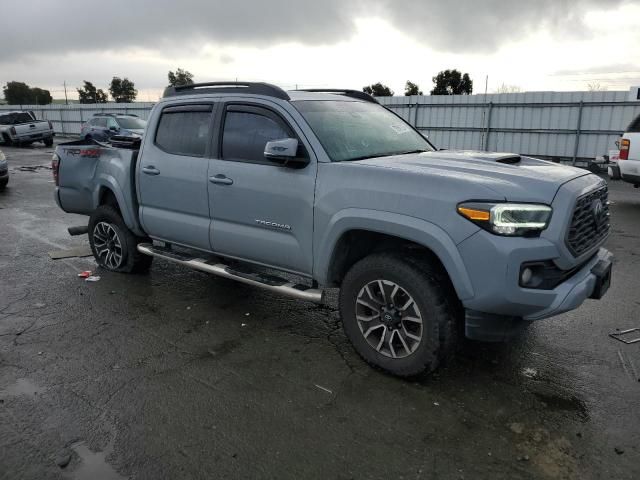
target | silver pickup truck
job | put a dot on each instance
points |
(331, 189)
(22, 128)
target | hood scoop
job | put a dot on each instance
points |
(509, 159)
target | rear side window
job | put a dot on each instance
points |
(184, 130)
(100, 122)
(634, 127)
(247, 133)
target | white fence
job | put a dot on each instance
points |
(562, 125)
(68, 119)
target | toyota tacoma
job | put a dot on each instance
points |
(300, 191)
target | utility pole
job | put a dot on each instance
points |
(66, 101)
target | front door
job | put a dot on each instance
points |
(261, 212)
(173, 186)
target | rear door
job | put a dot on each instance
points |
(174, 202)
(261, 212)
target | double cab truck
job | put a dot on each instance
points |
(22, 128)
(301, 191)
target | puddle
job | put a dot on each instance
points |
(567, 404)
(93, 465)
(22, 386)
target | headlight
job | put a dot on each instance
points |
(510, 219)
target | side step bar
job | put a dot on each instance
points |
(268, 282)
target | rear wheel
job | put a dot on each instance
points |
(48, 142)
(3, 184)
(114, 246)
(396, 313)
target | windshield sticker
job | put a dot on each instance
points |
(400, 128)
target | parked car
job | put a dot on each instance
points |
(105, 125)
(337, 191)
(627, 167)
(22, 128)
(4, 171)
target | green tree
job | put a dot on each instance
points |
(378, 90)
(40, 96)
(122, 90)
(452, 82)
(412, 89)
(180, 77)
(17, 93)
(89, 94)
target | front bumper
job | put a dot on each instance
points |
(494, 263)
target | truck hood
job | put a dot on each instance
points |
(510, 176)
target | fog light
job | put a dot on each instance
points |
(526, 276)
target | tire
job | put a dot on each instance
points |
(3, 184)
(7, 140)
(48, 142)
(107, 230)
(432, 302)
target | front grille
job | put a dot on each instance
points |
(590, 223)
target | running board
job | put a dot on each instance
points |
(268, 282)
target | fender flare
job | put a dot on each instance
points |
(108, 182)
(398, 225)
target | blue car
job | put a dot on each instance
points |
(104, 125)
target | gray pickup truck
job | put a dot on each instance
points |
(333, 190)
(23, 128)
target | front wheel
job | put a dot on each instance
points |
(397, 314)
(114, 246)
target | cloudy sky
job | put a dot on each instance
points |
(534, 45)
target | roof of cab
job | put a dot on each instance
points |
(265, 89)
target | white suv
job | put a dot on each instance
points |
(628, 165)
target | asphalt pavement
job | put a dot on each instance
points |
(179, 375)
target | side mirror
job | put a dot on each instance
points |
(285, 152)
(113, 128)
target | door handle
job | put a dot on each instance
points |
(221, 180)
(151, 170)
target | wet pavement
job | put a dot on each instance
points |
(177, 374)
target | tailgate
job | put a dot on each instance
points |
(36, 128)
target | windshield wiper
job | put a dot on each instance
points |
(413, 151)
(379, 155)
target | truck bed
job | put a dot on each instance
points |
(89, 170)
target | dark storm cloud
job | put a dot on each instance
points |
(41, 26)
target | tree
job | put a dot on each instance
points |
(89, 94)
(378, 90)
(508, 89)
(40, 96)
(19, 93)
(412, 89)
(452, 82)
(596, 87)
(180, 77)
(122, 90)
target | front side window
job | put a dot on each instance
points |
(111, 122)
(184, 130)
(358, 130)
(247, 133)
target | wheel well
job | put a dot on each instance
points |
(357, 244)
(107, 197)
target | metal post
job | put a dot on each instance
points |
(415, 116)
(62, 121)
(578, 127)
(485, 147)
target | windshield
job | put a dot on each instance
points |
(15, 118)
(358, 130)
(131, 123)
